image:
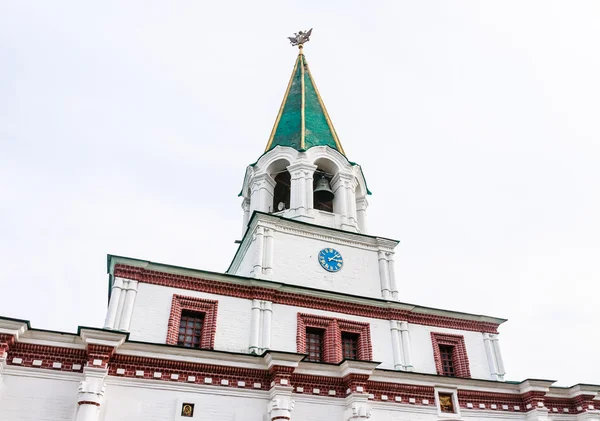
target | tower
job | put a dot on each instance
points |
(303, 196)
(303, 150)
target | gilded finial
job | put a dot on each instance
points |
(300, 38)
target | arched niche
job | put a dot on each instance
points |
(326, 168)
(281, 193)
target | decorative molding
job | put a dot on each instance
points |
(459, 355)
(332, 339)
(249, 291)
(181, 303)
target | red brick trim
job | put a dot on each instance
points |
(252, 378)
(6, 341)
(201, 305)
(183, 370)
(459, 357)
(88, 403)
(48, 355)
(287, 298)
(333, 336)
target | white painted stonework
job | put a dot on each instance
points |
(246, 364)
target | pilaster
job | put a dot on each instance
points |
(120, 307)
(361, 214)
(301, 192)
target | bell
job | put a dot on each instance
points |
(323, 191)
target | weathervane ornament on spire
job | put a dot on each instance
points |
(300, 38)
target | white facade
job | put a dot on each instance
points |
(282, 335)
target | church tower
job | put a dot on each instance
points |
(304, 173)
(304, 186)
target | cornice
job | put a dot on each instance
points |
(286, 294)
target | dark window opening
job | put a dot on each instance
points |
(447, 357)
(190, 329)
(350, 346)
(326, 206)
(314, 344)
(281, 194)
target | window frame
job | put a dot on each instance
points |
(208, 308)
(332, 337)
(460, 359)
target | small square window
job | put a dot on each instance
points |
(314, 344)
(187, 410)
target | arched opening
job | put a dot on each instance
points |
(326, 170)
(321, 184)
(281, 193)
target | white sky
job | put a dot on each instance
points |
(125, 128)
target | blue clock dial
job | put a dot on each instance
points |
(331, 260)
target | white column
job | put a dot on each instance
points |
(130, 289)
(266, 328)
(300, 173)
(246, 209)
(268, 255)
(392, 274)
(113, 305)
(384, 276)
(259, 252)
(489, 352)
(406, 346)
(498, 355)
(91, 394)
(396, 344)
(266, 188)
(351, 200)
(255, 327)
(309, 182)
(340, 202)
(361, 214)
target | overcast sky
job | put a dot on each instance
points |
(126, 127)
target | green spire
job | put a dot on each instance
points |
(302, 121)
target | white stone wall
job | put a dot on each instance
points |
(283, 334)
(153, 305)
(150, 317)
(141, 401)
(422, 354)
(33, 397)
(295, 261)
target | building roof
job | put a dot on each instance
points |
(303, 121)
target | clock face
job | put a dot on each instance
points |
(331, 260)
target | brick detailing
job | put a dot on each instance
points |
(332, 340)
(490, 398)
(88, 403)
(356, 383)
(533, 398)
(48, 355)
(250, 292)
(561, 403)
(459, 354)
(184, 370)
(201, 305)
(6, 341)
(99, 353)
(277, 373)
(309, 384)
(405, 391)
(181, 372)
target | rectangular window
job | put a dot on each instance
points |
(314, 344)
(349, 346)
(190, 329)
(446, 354)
